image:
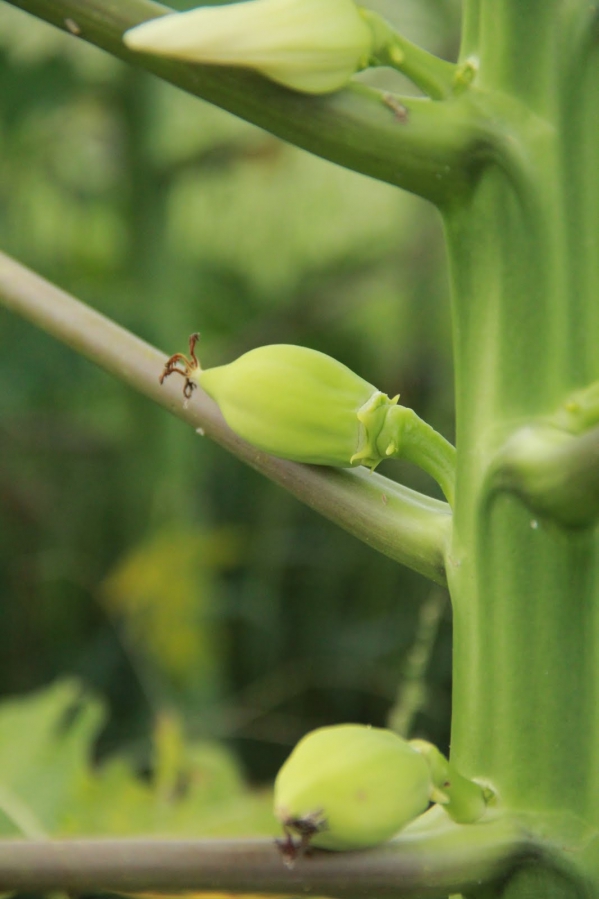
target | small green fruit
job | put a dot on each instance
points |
(351, 787)
(300, 404)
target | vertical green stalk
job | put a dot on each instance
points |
(525, 272)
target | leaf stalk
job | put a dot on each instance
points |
(401, 523)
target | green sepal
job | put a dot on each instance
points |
(465, 801)
(372, 416)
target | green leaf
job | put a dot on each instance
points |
(49, 785)
(44, 756)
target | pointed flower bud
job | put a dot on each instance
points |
(350, 787)
(313, 46)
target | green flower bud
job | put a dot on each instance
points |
(351, 787)
(313, 46)
(300, 404)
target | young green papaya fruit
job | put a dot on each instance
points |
(351, 787)
(300, 404)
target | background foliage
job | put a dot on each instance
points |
(219, 619)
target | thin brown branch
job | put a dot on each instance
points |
(406, 526)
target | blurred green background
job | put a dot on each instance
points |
(211, 612)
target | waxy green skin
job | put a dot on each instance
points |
(363, 784)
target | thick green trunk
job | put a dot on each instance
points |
(524, 258)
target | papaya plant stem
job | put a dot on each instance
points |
(409, 437)
(429, 150)
(425, 866)
(525, 278)
(399, 522)
(434, 76)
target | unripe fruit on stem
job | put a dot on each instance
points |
(302, 405)
(312, 46)
(351, 787)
